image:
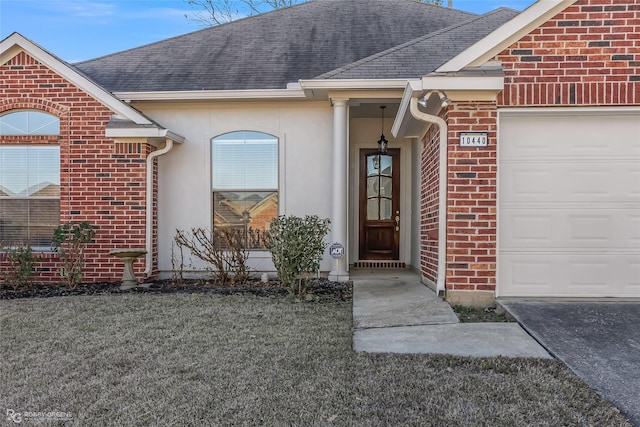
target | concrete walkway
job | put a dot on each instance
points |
(394, 313)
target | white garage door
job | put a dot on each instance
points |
(569, 203)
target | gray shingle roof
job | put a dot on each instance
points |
(268, 51)
(424, 54)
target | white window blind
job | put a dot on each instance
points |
(245, 160)
(29, 194)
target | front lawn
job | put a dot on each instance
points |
(202, 359)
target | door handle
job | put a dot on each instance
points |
(397, 220)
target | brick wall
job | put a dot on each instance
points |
(429, 201)
(101, 182)
(587, 55)
(471, 213)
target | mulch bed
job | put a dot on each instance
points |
(321, 289)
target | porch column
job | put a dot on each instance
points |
(339, 203)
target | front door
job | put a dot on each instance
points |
(379, 205)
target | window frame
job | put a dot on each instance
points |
(213, 189)
(32, 138)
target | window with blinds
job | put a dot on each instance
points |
(29, 181)
(245, 183)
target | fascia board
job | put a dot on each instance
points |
(15, 43)
(212, 95)
(507, 34)
(116, 133)
(403, 117)
(353, 84)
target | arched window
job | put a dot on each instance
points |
(29, 180)
(29, 122)
(244, 169)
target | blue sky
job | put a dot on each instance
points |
(76, 30)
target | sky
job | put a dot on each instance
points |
(77, 30)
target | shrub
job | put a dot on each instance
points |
(222, 249)
(21, 264)
(297, 245)
(70, 241)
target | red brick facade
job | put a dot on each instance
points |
(429, 202)
(100, 181)
(588, 55)
(471, 221)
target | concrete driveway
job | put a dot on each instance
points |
(599, 341)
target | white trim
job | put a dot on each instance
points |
(342, 84)
(143, 133)
(16, 43)
(299, 90)
(503, 37)
(188, 95)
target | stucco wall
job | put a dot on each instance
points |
(305, 132)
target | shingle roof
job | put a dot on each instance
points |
(268, 51)
(424, 54)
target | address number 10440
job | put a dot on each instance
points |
(474, 139)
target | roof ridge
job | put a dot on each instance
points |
(412, 42)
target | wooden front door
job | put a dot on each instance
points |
(379, 205)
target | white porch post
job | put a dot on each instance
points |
(339, 203)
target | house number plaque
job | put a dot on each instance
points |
(474, 139)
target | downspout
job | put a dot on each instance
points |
(168, 146)
(442, 189)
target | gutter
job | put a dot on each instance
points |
(442, 188)
(168, 146)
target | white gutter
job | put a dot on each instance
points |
(442, 188)
(149, 208)
(352, 84)
(212, 95)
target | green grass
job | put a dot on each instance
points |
(479, 315)
(135, 360)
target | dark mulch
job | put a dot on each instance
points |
(321, 289)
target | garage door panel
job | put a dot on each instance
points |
(569, 228)
(568, 182)
(602, 136)
(569, 203)
(566, 274)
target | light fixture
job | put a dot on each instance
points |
(382, 142)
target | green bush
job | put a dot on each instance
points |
(21, 264)
(70, 241)
(297, 245)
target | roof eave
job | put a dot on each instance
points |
(507, 34)
(213, 95)
(121, 134)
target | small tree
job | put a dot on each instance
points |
(222, 249)
(297, 245)
(209, 13)
(70, 241)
